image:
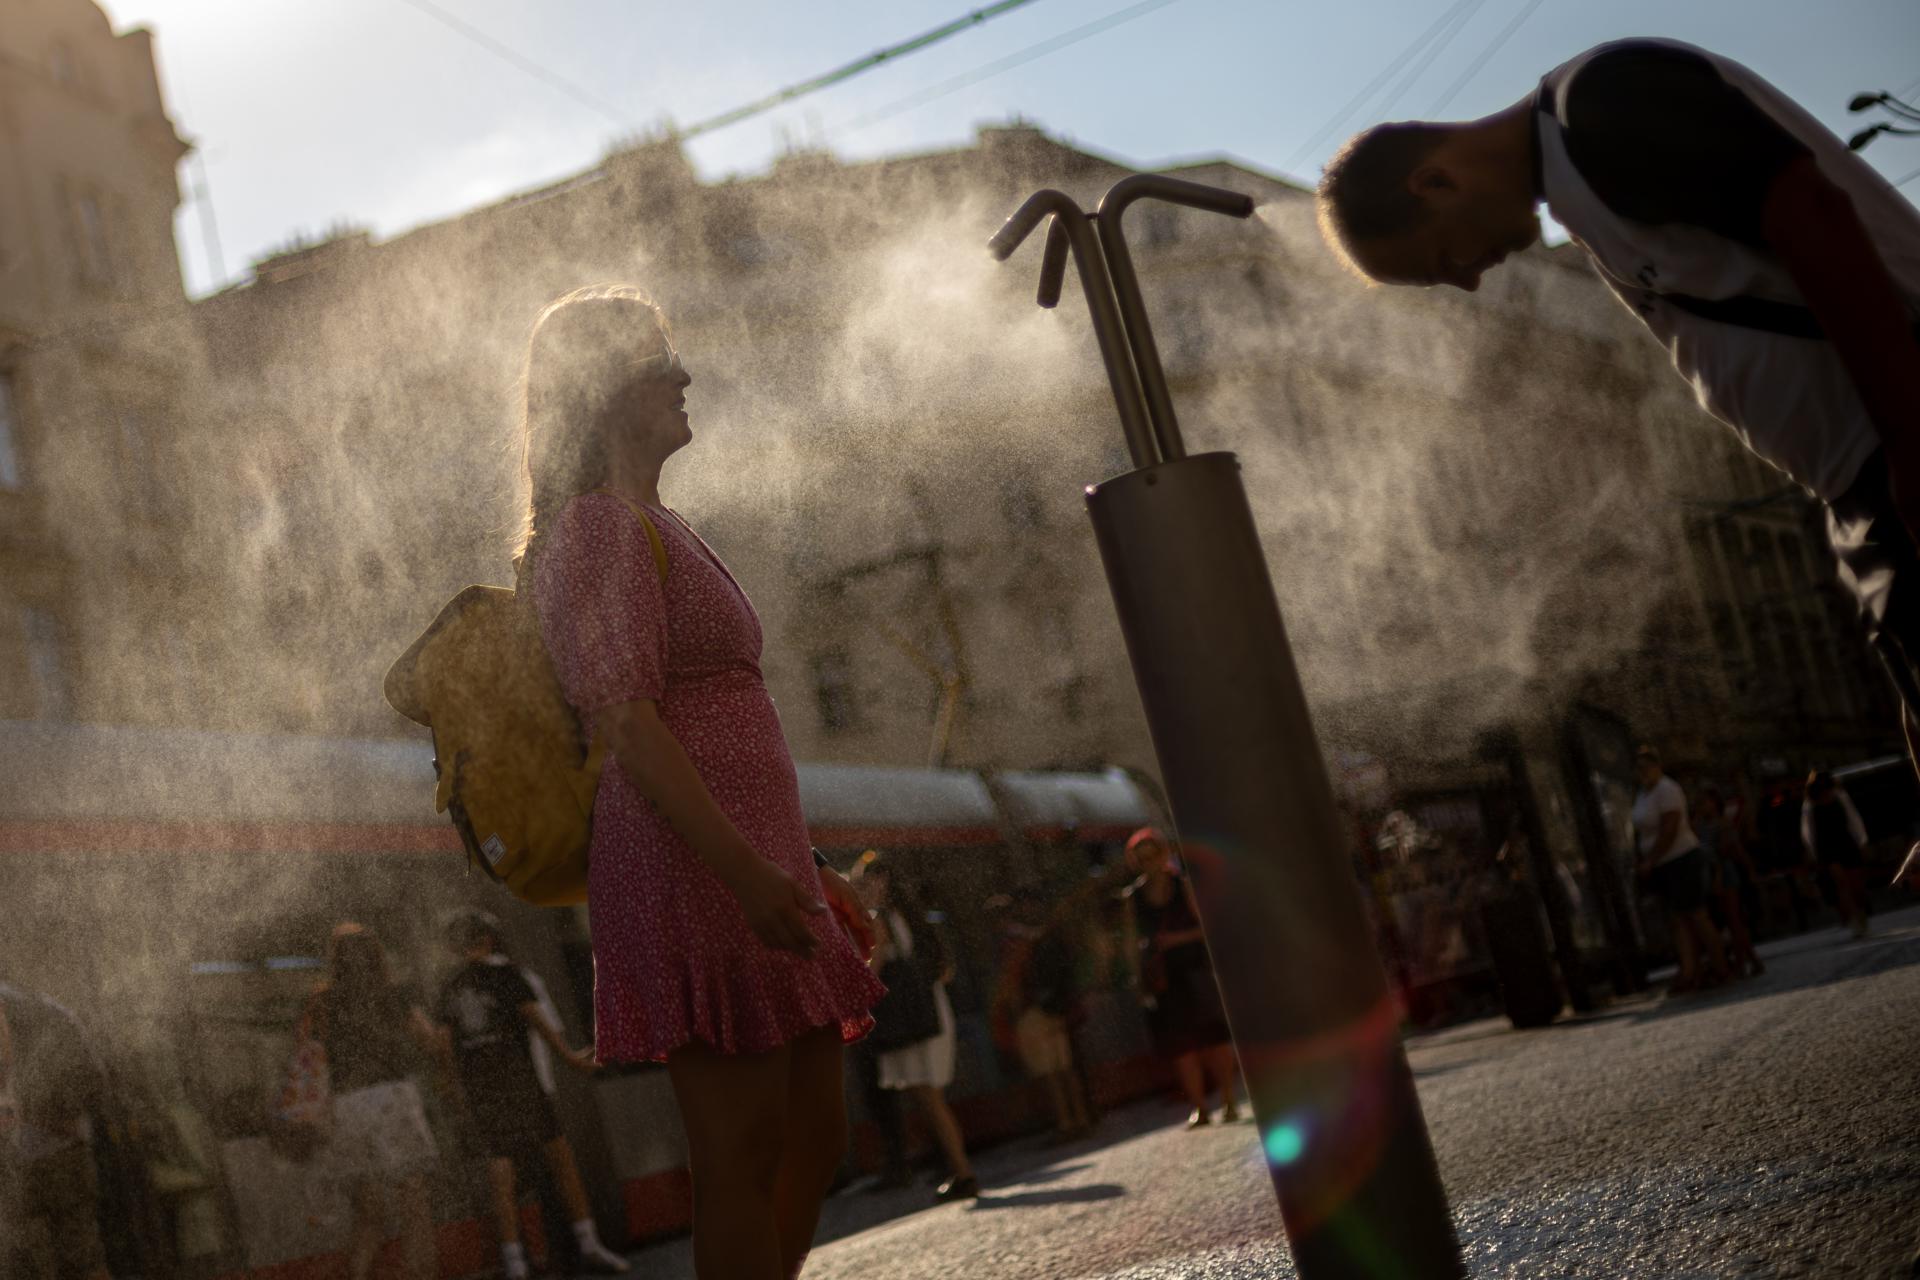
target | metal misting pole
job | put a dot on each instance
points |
(1315, 1025)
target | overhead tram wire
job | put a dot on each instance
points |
(852, 69)
(987, 71)
(1486, 55)
(507, 53)
(1373, 86)
(1434, 50)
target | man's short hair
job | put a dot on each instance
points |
(1363, 190)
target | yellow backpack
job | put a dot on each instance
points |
(514, 771)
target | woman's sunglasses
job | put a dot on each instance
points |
(663, 365)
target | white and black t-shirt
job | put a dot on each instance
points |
(1657, 157)
(1650, 807)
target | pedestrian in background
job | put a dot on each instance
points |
(51, 1085)
(1671, 864)
(883, 1106)
(1835, 840)
(914, 963)
(713, 949)
(1185, 1016)
(490, 1010)
(1736, 900)
(378, 1143)
(1033, 1001)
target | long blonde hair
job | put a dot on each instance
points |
(579, 344)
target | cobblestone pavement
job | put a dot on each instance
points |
(1768, 1129)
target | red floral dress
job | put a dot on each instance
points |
(673, 958)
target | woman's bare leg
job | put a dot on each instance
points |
(734, 1107)
(946, 1129)
(504, 1197)
(1192, 1083)
(419, 1251)
(1708, 937)
(1079, 1114)
(1745, 959)
(1057, 1097)
(365, 1233)
(1224, 1068)
(566, 1176)
(816, 1141)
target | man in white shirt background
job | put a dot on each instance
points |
(1673, 866)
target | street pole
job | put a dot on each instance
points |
(1313, 1021)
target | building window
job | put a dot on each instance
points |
(136, 462)
(46, 665)
(9, 451)
(95, 261)
(833, 690)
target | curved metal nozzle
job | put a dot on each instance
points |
(1158, 186)
(1126, 284)
(1014, 231)
(1072, 232)
(1053, 265)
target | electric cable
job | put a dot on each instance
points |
(851, 69)
(1425, 60)
(1894, 106)
(1373, 86)
(1493, 46)
(987, 71)
(1909, 178)
(508, 53)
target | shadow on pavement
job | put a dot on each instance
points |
(1894, 945)
(1059, 1195)
(1052, 1173)
(1023, 1162)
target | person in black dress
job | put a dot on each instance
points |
(1184, 1015)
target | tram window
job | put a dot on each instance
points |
(833, 690)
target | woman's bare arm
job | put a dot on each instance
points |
(776, 905)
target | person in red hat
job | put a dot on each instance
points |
(1185, 1017)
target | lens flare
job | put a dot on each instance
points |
(1284, 1143)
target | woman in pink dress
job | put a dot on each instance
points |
(714, 948)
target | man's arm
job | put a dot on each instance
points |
(775, 904)
(580, 1059)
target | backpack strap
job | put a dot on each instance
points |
(1788, 319)
(653, 535)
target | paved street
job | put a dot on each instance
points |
(1771, 1129)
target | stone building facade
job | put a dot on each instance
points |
(91, 365)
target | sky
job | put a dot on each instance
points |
(375, 114)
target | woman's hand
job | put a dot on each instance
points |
(582, 1060)
(849, 910)
(776, 906)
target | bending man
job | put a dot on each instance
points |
(1780, 271)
